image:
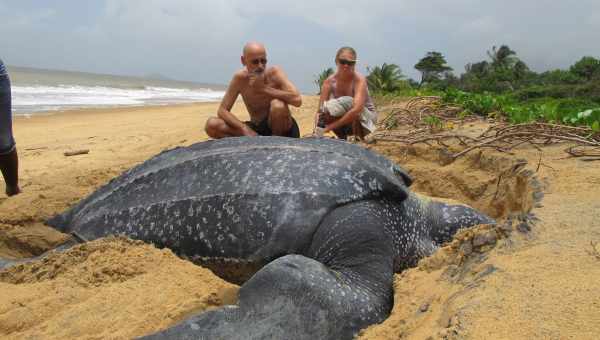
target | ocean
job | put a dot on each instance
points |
(37, 91)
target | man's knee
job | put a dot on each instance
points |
(212, 125)
(279, 109)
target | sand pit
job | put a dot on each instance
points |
(110, 288)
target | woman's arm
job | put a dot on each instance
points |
(325, 92)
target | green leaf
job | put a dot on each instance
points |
(596, 126)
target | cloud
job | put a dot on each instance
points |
(201, 40)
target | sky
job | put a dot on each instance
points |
(202, 40)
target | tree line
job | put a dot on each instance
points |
(502, 72)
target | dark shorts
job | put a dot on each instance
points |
(341, 132)
(263, 128)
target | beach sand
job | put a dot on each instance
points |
(542, 283)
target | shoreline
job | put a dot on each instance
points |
(107, 109)
(80, 110)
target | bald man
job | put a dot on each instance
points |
(267, 93)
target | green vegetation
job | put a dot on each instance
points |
(502, 86)
(322, 76)
(432, 66)
(386, 78)
(568, 111)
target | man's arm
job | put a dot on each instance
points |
(360, 98)
(224, 112)
(288, 92)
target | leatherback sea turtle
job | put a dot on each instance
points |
(325, 222)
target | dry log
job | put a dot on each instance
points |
(76, 152)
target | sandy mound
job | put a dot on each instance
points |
(112, 288)
(533, 276)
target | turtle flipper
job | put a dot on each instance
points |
(7, 263)
(293, 297)
(297, 297)
(447, 219)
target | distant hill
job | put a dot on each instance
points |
(22, 75)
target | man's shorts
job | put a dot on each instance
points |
(263, 128)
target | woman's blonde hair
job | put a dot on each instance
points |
(345, 49)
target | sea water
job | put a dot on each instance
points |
(37, 91)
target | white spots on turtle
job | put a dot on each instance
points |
(228, 208)
(220, 238)
(204, 220)
(375, 185)
(201, 235)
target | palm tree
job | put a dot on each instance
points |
(432, 66)
(322, 76)
(502, 57)
(384, 78)
(520, 70)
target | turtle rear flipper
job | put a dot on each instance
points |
(345, 288)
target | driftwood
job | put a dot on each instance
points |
(76, 152)
(416, 111)
(501, 137)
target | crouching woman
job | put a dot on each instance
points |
(345, 106)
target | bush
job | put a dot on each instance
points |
(572, 111)
(590, 91)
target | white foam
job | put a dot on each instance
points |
(47, 98)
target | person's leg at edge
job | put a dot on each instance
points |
(9, 165)
(217, 128)
(9, 161)
(280, 118)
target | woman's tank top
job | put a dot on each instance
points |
(368, 102)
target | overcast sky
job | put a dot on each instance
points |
(202, 40)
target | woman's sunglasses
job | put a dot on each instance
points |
(259, 61)
(347, 62)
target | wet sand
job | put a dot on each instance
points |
(539, 283)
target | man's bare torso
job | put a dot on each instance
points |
(258, 104)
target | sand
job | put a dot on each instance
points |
(518, 281)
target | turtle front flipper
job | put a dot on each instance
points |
(447, 219)
(344, 287)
